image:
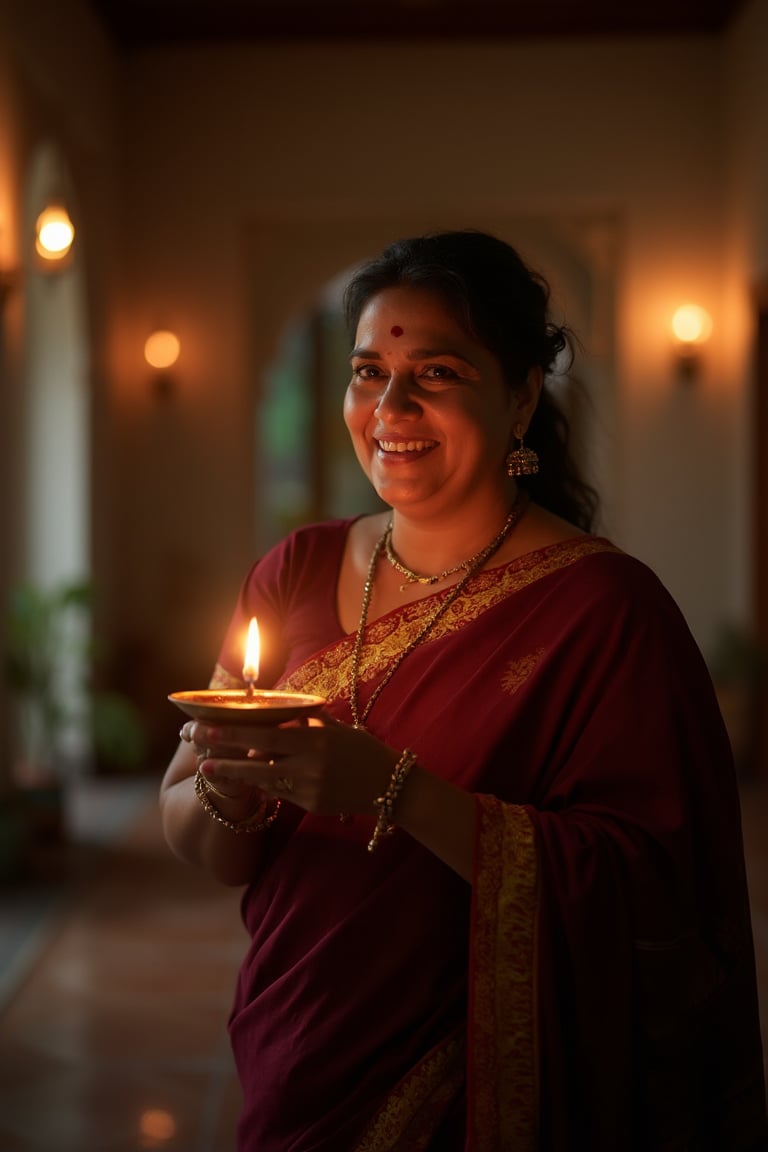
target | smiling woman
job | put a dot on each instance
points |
(502, 903)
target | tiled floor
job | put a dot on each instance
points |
(112, 1013)
(115, 1040)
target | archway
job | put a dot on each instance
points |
(55, 429)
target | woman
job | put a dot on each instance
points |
(553, 950)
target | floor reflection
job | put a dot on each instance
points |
(117, 976)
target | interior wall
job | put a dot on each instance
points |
(10, 209)
(243, 178)
(746, 90)
(58, 82)
(55, 494)
(255, 165)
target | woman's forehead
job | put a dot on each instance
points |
(407, 311)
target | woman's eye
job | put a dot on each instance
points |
(366, 372)
(438, 372)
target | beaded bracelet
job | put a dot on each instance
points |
(256, 822)
(386, 803)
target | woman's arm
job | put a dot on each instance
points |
(334, 768)
(441, 817)
(196, 838)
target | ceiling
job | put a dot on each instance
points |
(135, 24)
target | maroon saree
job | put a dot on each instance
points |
(594, 987)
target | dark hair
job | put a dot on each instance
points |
(504, 305)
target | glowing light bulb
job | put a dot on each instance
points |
(162, 349)
(54, 233)
(692, 324)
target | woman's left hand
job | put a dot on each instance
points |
(321, 765)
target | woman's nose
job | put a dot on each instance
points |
(398, 397)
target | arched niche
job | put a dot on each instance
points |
(300, 368)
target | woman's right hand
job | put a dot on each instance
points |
(321, 766)
(193, 835)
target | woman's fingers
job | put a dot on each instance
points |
(325, 767)
(232, 779)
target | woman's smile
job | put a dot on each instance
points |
(405, 447)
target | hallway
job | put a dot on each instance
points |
(114, 1038)
(115, 986)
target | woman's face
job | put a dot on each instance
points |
(427, 407)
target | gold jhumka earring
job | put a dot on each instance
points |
(521, 461)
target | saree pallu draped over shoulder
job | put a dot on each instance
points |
(594, 987)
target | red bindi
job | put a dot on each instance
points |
(396, 330)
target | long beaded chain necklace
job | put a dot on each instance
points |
(473, 566)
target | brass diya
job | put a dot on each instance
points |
(247, 705)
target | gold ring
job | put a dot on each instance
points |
(283, 783)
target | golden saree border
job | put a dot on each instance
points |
(413, 1112)
(327, 673)
(502, 1077)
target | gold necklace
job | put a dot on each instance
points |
(417, 577)
(475, 564)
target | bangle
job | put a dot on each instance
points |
(256, 822)
(386, 803)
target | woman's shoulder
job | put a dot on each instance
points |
(313, 538)
(593, 558)
(309, 550)
(603, 582)
(600, 564)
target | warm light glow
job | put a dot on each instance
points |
(54, 233)
(156, 1128)
(692, 324)
(162, 349)
(252, 653)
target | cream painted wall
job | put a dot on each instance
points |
(57, 87)
(746, 109)
(220, 188)
(259, 172)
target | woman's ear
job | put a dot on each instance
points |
(526, 397)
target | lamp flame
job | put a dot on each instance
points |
(252, 653)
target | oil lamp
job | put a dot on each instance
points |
(249, 705)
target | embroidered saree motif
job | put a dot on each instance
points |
(327, 673)
(502, 1089)
(518, 671)
(412, 1113)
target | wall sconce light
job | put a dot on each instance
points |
(54, 236)
(691, 328)
(161, 351)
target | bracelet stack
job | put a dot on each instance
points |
(256, 822)
(386, 804)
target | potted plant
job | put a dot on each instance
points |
(738, 664)
(62, 718)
